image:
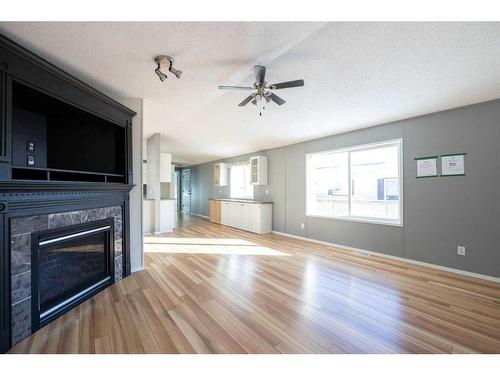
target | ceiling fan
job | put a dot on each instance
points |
(263, 91)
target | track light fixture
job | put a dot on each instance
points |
(163, 62)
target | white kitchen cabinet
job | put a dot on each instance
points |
(257, 218)
(220, 174)
(253, 217)
(258, 170)
(165, 167)
(226, 213)
(148, 216)
(244, 216)
(238, 216)
(167, 215)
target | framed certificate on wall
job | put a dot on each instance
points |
(453, 164)
(427, 166)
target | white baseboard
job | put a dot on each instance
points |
(165, 231)
(203, 216)
(416, 262)
(137, 269)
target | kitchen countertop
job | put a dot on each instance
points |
(240, 200)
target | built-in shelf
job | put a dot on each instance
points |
(55, 141)
(52, 174)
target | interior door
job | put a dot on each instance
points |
(186, 190)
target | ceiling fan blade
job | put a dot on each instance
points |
(260, 73)
(275, 98)
(235, 88)
(246, 101)
(285, 85)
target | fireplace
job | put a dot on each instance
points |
(65, 164)
(69, 265)
(76, 226)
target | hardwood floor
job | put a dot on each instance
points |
(212, 289)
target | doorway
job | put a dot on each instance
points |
(186, 191)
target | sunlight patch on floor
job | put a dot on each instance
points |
(197, 241)
(167, 245)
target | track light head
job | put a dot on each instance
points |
(174, 71)
(160, 74)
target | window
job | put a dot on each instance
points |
(359, 183)
(240, 181)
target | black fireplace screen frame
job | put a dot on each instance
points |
(81, 295)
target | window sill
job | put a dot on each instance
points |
(359, 220)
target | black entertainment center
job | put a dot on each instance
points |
(65, 178)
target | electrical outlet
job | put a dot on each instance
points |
(461, 250)
(302, 226)
(267, 192)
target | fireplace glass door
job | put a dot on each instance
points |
(71, 263)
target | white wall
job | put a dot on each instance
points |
(136, 249)
(153, 183)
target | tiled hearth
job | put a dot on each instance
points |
(20, 244)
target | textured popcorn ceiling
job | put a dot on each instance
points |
(356, 75)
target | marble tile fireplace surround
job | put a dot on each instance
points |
(21, 229)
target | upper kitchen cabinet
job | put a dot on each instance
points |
(258, 165)
(220, 174)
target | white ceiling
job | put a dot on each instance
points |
(356, 75)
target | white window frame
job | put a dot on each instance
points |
(368, 146)
(250, 177)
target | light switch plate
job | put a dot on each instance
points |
(30, 146)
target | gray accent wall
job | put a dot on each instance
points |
(438, 213)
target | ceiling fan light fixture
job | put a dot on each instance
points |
(262, 89)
